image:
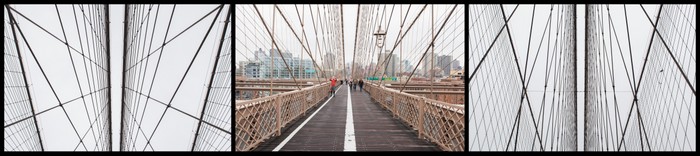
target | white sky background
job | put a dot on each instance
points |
(640, 33)
(413, 47)
(176, 132)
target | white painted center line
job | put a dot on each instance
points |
(284, 142)
(349, 127)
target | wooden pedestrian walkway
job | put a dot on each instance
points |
(329, 127)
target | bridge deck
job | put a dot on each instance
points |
(375, 128)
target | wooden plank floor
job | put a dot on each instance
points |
(375, 128)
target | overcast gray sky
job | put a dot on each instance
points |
(176, 132)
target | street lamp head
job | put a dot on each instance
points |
(380, 37)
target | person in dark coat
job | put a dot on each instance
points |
(361, 83)
(354, 85)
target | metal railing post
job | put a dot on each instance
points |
(421, 111)
(305, 105)
(278, 110)
(394, 110)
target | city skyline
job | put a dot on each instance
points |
(261, 63)
(299, 30)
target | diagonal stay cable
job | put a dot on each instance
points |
(183, 112)
(24, 77)
(308, 52)
(146, 18)
(306, 39)
(670, 53)
(42, 28)
(517, 118)
(211, 80)
(139, 125)
(91, 84)
(529, 38)
(397, 43)
(89, 22)
(471, 76)
(44, 74)
(611, 71)
(271, 37)
(432, 44)
(158, 63)
(540, 117)
(624, 65)
(641, 75)
(32, 52)
(140, 77)
(136, 35)
(135, 17)
(171, 39)
(94, 15)
(144, 75)
(521, 78)
(80, 40)
(41, 112)
(75, 72)
(91, 127)
(628, 39)
(540, 46)
(185, 75)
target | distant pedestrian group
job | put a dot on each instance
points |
(353, 84)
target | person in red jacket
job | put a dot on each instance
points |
(333, 80)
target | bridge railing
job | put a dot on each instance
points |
(449, 92)
(447, 96)
(440, 122)
(262, 118)
(248, 91)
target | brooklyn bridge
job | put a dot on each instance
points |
(103, 77)
(582, 77)
(381, 77)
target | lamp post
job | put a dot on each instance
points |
(380, 43)
(380, 37)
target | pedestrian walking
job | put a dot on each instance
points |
(361, 84)
(333, 80)
(354, 86)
